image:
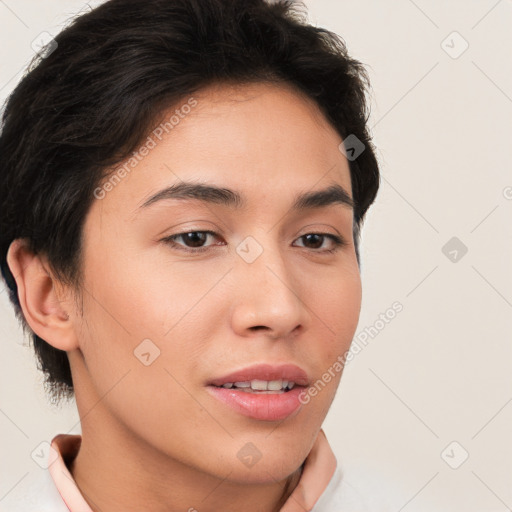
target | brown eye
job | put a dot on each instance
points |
(193, 241)
(315, 241)
(194, 238)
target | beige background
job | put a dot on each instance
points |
(441, 370)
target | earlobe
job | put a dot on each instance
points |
(41, 297)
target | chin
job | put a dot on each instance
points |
(263, 460)
(264, 472)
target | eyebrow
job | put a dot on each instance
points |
(334, 194)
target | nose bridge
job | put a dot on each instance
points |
(263, 260)
(268, 296)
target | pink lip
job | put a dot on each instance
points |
(262, 406)
(265, 372)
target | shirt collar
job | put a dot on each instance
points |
(319, 468)
(65, 449)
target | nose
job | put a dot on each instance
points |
(268, 297)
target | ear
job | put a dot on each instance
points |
(45, 302)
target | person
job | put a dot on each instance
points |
(183, 184)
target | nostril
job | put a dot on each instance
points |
(258, 327)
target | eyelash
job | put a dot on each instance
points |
(338, 241)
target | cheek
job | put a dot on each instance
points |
(347, 316)
(157, 294)
(133, 365)
(140, 311)
(159, 392)
(337, 306)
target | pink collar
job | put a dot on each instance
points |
(66, 447)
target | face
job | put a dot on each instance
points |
(166, 313)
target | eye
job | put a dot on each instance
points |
(317, 240)
(194, 241)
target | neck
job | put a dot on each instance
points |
(114, 475)
(117, 471)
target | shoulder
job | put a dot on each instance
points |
(35, 492)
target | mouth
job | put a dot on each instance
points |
(263, 377)
(263, 392)
(260, 386)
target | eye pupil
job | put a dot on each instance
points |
(196, 237)
(316, 237)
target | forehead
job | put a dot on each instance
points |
(260, 139)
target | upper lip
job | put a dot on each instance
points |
(289, 372)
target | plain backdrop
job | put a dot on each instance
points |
(424, 410)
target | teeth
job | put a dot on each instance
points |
(261, 385)
(275, 385)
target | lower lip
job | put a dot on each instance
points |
(260, 406)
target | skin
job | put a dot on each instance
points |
(152, 437)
